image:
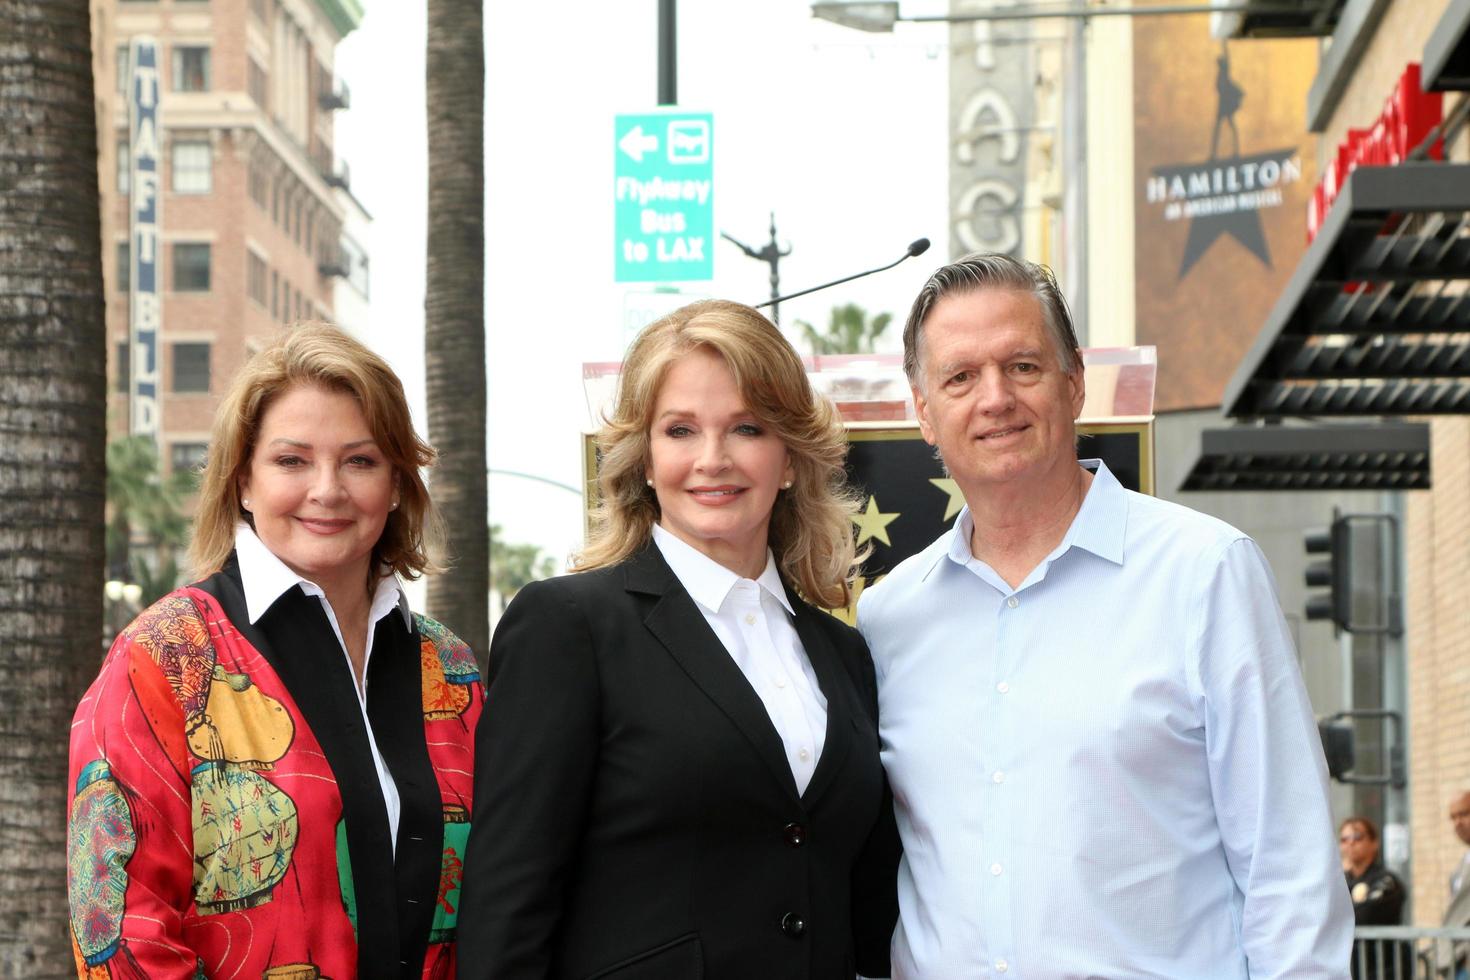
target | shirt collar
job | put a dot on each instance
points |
(265, 578)
(1101, 523)
(1099, 527)
(706, 580)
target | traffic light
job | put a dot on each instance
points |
(1333, 571)
(1337, 747)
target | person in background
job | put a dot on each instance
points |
(271, 775)
(1457, 912)
(1092, 718)
(1377, 893)
(1378, 900)
(678, 774)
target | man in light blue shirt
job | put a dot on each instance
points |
(1101, 751)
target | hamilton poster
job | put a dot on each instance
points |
(1223, 171)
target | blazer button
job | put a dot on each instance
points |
(793, 925)
(795, 834)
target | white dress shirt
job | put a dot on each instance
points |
(266, 578)
(1110, 771)
(753, 619)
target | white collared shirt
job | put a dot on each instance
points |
(266, 578)
(753, 620)
(1111, 770)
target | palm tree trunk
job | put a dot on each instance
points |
(454, 306)
(52, 407)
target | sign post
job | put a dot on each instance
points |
(663, 186)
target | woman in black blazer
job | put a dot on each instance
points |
(677, 771)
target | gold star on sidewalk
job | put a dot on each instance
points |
(872, 523)
(956, 499)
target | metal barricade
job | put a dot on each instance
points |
(1411, 953)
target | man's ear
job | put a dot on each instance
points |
(921, 411)
(1078, 382)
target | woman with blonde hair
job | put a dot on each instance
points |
(678, 775)
(271, 775)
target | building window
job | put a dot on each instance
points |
(275, 295)
(191, 69)
(191, 367)
(123, 59)
(255, 83)
(121, 369)
(191, 267)
(259, 185)
(296, 222)
(355, 260)
(124, 167)
(255, 277)
(187, 457)
(192, 160)
(124, 266)
(276, 201)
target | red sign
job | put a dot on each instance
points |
(1407, 119)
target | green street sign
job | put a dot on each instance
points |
(663, 186)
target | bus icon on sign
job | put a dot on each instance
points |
(688, 141)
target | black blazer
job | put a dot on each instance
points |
(635, 815)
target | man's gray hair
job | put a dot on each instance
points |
(992, 270)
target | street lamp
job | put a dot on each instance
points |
(875, 17)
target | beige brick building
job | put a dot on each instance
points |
(251, 196)
(1437, 521)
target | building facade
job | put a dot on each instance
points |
(1391, 37)
(252, 199)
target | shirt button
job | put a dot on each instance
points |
(750, 619)
(803, 754)
(995, 869)
(1013, 602)
(999, 777)
(1003, 687)
(780, 681)
(1001, 966)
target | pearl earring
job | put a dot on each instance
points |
(649, 481)
(393, 505)
(245, 502)
(786, 485)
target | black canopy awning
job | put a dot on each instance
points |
(1380, 456)
(1446, 65)
(1284, 18)
(1376, 318)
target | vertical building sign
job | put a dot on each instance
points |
(144, 223)
(990, 78)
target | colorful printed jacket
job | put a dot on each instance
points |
(226, 818)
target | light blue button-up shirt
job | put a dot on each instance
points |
(1110, 771)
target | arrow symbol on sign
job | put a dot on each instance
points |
(636, 142)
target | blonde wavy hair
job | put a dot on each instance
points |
(811, 531)
(321, 355)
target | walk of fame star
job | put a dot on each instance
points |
(872, 523)
(956, 499)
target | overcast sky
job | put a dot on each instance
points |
(842, 134)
